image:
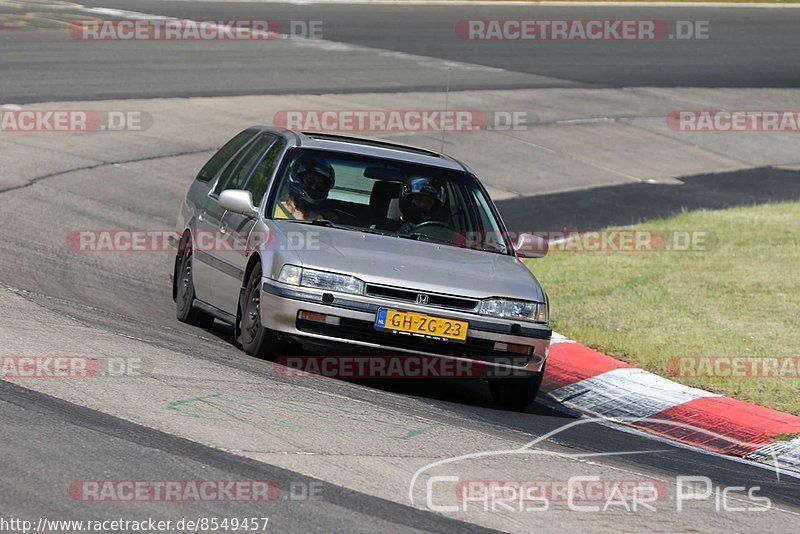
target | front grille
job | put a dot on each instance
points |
(355, 330)
(410, 296)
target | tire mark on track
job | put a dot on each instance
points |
(38, 179)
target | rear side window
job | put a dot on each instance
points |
(223, 155)
(237, 171)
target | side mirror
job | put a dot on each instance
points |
(238, 201)
(530, 246)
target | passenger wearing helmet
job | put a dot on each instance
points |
(421, 200)
(310, 180)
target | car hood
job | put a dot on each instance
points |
(399, 262)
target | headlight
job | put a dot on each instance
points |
(515, 309)
(342, 283)
(291, 274)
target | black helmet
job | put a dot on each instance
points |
(423, 186)
(305, 168)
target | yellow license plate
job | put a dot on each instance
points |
(421, 324)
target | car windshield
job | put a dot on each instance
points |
(390, 197)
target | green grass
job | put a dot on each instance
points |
(738, 297)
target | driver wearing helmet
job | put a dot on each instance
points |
(421, 200)
(310, 180)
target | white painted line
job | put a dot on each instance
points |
(593, 120)
(628, 392)
(505, 3)
(786, 452)
(782, 456)
(558, 338)
(321, 44)
(622, 427)
(124, 14)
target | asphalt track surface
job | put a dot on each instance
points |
(48, 442)
(745, 48)
(87, 444)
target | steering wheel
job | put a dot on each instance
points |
(438, 230)
(337, 212)
(439, 224)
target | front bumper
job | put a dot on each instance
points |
(280, 304)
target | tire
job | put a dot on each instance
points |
(515, 393)
(184, 296)
(255, 338)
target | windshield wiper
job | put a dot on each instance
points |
(373, 231)
(493, 250)
(315, 222)
(330, 224)
(425, 237)
(416, 236)
(324, 222)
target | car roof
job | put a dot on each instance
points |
(367, 147)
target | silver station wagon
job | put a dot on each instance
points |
(333, 245)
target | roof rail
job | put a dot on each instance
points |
(370, 142)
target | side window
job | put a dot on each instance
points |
(259, 180)
(235, 174)
(223, 155)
